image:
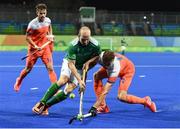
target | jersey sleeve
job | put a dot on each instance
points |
(48, 20)
(98, 50)
(113, 71)
(113, 75)
(71, 55)
(29, 29)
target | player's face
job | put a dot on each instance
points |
(108, 64)
(84, 37)
(41, 14)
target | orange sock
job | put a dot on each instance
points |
(98, 88)
(52, 76)
(134, 99)
(22, 75)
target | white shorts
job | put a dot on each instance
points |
(67, 72)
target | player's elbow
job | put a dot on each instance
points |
(105, 92)
(97, 77)
(71, 64)
(28, 38)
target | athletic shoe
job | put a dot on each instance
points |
(103, 109)
(38, 108)
(17, 85)
(45, 112)
(150, 104)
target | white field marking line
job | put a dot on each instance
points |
(157, 66)
(88, 80)
(21, 66)
(34, 88)
(159, 110)
(58, 66)
(142, 76)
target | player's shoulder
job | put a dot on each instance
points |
(47, 19)
(119, 56)
(94, 41)
(74, 41)
(33, 21)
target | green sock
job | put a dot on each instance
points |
(50, 92)
(57, 98)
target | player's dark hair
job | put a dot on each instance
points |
(108, 56)
(41, 6)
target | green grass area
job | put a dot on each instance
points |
(135, 44)
(129, 49)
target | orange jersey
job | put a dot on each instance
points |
(119, 67)
(38, 31)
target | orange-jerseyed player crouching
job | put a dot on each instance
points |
(115, 66)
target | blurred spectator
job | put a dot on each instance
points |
(99, 30)
(133, 27)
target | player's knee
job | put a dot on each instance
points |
(28, 69)
(70, 88)
(96, 77)
(62, 80)
(122, 96)
(50, 69)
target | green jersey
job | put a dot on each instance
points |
(80, 53)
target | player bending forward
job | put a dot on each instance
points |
(115, 66)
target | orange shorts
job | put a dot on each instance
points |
(45, 55)
(126, 74)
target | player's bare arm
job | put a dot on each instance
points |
(30, 41)
(71, 65)
(91, 63)
(106, 90)
(50, 35)
(50, 30)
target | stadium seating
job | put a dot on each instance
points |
(166, 30)
(111, 29)
(66, 28)
(107, 29)
(10, 28)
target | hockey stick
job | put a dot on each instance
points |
(80, 115)
(43, 46)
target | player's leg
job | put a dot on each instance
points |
(52, 90)
(48, 61)
(61, 95)
(98, 88)
(123, 48)
(31, 60)
(126, 76)
(132, 99)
